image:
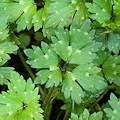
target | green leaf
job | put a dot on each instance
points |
(116, 10)
(39, 18)
(113, 42)
(51, 78)
(68, 45)
(95, 116)
(74, 117)
(64, 13)
(22, 11)
(85, 54)
(81, 34)
(86, 116)
(20, 101)
(4, 34)
(71, 88)
(24, 40)
(100, 10)
(111, 69)
(60, 13)
(87, 73)
(69, 60)
(81, 13)
(5, 49)
(25, 20)
(112, 113)
(8, 10)
(101, 57)
(61, 44)
(4, 74)
(38, 36)
(45, 58)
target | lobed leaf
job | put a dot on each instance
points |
(4, 74)
(71, 88)
(112, 112)
(100, 10)
(113, 42)
(86, 116)
(45, 58)
(20, 101)
(68, 60)
(51, 78)
(111, 69)
(87, 73)
(5, 49)
(38, 19)
(60, 13)
(22, 16)
(116, 11)
(25, 20)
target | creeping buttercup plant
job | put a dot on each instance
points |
(66, 62)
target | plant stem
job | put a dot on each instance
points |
(20, 54)
(73, 105)
(67, 114)
(47, 105)
(48, 101)
(110, 87)
(25, 65)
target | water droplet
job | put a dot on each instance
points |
(96, 13)
(46, 56)
(87, 74)
(50, 77)
(1, 33)
(10, 112)
(61, 42)
(61, 19)
(71, 89)
(85, 33)
(115, 111)
(27, 21)
(8, 104)
(14, 87)
(103, 10)
(113, 65)
(78, 30)
(78, 51)
(56, 12)
(89, 53)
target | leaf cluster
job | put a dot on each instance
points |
(72, 46)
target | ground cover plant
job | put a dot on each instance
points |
(59, 59)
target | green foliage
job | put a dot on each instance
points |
(113, 111)
(5, 49)
(20, 101)
(73, 52)
(114, 42)
(24, 40)
(4, 74)
(101, 10)
(86, 116)
(23, 15)
(61, 12)
(72, 46)
(111, 69)
(117, 11)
